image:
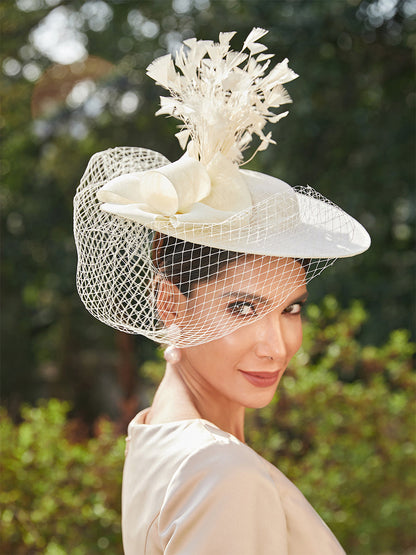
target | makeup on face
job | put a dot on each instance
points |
(249, 304)
(244, 367)
(261, 379)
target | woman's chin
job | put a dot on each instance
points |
(259, 403)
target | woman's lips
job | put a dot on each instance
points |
(261, 379)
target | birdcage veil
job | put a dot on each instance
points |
(202, 232)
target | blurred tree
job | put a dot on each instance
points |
(73, 82)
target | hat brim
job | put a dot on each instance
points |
(284, 222)
(116, 272)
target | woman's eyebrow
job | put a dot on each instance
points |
(243, 295)
(300, 299)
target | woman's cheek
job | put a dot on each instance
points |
(299, 335)
(294, 334)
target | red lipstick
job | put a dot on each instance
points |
(261, 379)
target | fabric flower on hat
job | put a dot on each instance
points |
(223, 98)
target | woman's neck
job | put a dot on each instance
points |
(176, 399)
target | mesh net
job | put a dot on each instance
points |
(176, 290)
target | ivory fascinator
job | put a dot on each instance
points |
(203, 204)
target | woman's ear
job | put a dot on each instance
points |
(171, 303)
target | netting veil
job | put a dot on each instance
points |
(187, 252)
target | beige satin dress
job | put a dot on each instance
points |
(190, 488)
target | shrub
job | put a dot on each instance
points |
(59, 497)
(342, 429)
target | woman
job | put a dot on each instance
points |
(213, 261)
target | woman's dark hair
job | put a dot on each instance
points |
(186, 264)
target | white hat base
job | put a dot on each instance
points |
(283, 221)
(116, 273)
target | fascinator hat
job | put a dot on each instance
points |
(142, 223)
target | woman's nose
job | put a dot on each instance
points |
(270, 340)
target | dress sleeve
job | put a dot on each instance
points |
(222, 500)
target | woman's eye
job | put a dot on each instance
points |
(295, 308)
(242, 308)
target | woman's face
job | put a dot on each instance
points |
(245, 366)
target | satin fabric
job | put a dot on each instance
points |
(190, 488)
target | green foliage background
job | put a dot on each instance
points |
(343, 422)
(349, 446)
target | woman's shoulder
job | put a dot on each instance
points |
(185, 447)
(218, 473)
(196, 448)
(224, 474)
(196, 445)
(208, 451)
(203, 474)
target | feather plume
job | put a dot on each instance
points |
(222, 97)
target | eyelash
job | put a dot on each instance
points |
(288, 310)
(236, 309)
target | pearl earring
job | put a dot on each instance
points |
(172, 355)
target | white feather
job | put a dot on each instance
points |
(225, 38)
(255, 34)
(256, 48)
(222, 97)
(183, 138)
(263, 57)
